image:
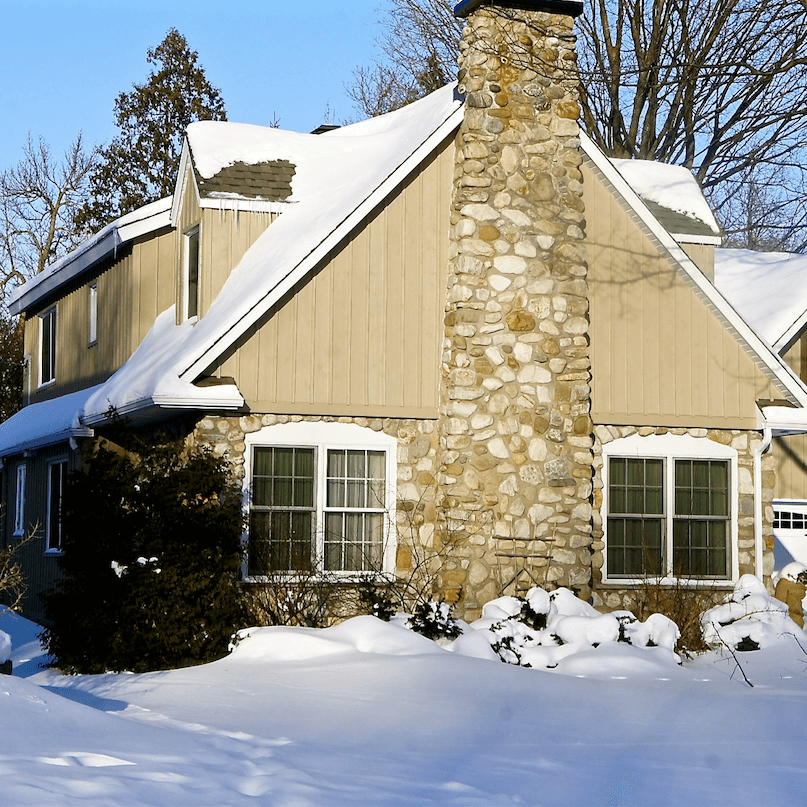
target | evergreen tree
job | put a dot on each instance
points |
(152, 541)
(140, 165)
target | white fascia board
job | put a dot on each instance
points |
(182, 181)
(215, 347)
(688, 238)
(47, 440)
(151, 405)
(784, 420)
(783, 378)
(786, 340)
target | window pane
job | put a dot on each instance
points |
(636, 486)
(281, 531)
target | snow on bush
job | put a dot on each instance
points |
(749, 618)
(543, 628)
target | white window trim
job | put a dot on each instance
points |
(670, 447)
(49, 550)
(43, 382)
(322, 436)
(93, 314)
(19, 501)
(186, 238)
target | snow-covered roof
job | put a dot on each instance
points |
(148, 380)
(339, 178)
(45, 423)
(767, 288)
(672, 188)
(106, 241)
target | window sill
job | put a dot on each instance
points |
(666, 582)
(46, 384)
(54, 553)
(292, 578)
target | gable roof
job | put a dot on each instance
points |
(767, 288)
(772, 365)
(340, 177)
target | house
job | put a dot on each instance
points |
(765, 287)
(455, 334)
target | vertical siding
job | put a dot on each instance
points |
(659, 356)
(40, 569)
(704, 257)
(131, 293)
(362, 334)
(791, 466)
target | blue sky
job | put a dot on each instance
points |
(63, 62)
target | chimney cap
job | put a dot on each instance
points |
(572, 8)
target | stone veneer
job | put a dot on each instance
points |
(417, 464)
(515, 432)
(608, 597)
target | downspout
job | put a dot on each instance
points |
(767, 436)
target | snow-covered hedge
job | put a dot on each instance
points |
(749, 618)
(545, 627)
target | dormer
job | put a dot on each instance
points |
(225, 199)
(673, 196)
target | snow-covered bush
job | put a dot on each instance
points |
(569, 626)
(434, 621)
(749, 618)
(151, 561)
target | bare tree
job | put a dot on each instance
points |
(38, 199)
(718, 86)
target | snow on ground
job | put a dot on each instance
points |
(368, 713)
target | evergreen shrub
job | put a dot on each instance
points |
(151, 563)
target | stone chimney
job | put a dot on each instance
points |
(515, 427)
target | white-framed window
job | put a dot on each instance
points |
(319, 497)
(47, 347)
(669, 509)
(789, 531)
(93, 314)
(190, 273)
(19, 500)
(57, 476)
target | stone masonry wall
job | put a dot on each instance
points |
(515, 432)
(608, 597)
(421, 549)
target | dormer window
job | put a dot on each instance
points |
(47, 342)
(191, 273)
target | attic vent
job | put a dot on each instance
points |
(269, 180)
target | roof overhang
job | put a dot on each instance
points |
(105, 243)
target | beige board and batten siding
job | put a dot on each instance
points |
(132, 291)
(791, 466)
(660, 357)
(224, 238)
(361, 335)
